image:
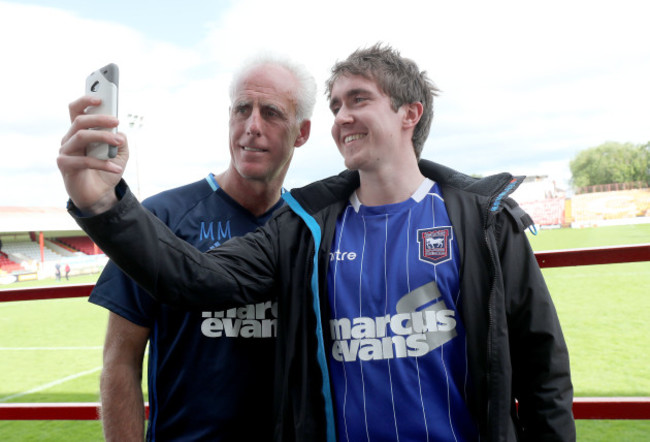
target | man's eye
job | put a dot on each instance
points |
(359, 99)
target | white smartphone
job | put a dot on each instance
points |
(103, 83)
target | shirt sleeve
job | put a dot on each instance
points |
(116, 292)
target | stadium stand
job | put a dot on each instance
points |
(29, 250)
(7, 265)
(34, 240)
(80, 243)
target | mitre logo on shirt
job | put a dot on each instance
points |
(435, 244)
(250, 321)
(422, 323)
(342, 256)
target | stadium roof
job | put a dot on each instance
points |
(35, 219)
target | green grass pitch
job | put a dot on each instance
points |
(50, 351)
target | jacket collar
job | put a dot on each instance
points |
(489, 186)
(323, 193)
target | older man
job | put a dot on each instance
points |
(210, 372)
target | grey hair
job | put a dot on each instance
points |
(305, 94)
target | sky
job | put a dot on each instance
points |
(525, 85)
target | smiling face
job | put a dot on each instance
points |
(366, 129)
(263, 125)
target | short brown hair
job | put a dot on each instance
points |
(398, 77)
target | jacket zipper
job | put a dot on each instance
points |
(493, 205)
(490, 323)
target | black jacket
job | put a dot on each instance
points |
(517, 351)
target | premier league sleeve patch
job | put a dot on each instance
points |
(435, 244)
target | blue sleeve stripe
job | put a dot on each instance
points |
(212, 181)
(322, 361)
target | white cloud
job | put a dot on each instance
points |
(45, 69)
(525, 86)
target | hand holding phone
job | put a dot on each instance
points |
(103, 83)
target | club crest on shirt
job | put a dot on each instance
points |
(435, 244)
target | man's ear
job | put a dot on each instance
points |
(412, 114)
(303, 136)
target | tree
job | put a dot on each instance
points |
(611, 163)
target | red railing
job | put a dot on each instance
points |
(583, 407)
(54, 292)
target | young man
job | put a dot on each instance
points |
(411, 306)
(210, 372)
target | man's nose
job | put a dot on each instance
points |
(253, 124)
(343, 116)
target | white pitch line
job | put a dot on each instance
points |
(51, 384)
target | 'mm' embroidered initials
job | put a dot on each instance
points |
(222, 233)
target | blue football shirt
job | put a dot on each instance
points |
(210, 373)
(397, 348)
